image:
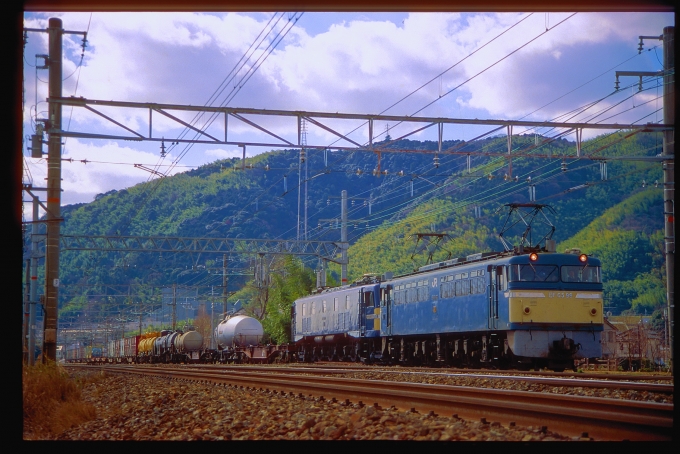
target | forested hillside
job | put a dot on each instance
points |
(615, 218)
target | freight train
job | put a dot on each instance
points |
(238, 338)
(525, 307)
(155, 347)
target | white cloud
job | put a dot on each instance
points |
(220, 153)
(359, 65)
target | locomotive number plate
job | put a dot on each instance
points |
(560, 295)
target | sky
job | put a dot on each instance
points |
(531, 66)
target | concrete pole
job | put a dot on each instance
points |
(27, 304)
(55, 31)
(33, 298)
(343, 236)
(668, 175)
(225, 295)
(174, 306)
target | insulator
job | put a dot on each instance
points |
(352, 202)
(328, 202)
(506, 177)
(644, 183)
(656, 184)
(516, 179)
(490, 177)
(359, 171)
(266, 167)
(302, 155)
(375, 172)
(401, 173)
(529, 179)
(384, 172)
(564, 166)
(436, 161)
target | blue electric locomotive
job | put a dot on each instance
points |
(519, 308)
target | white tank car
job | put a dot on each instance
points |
(238, 331)
(189, 342)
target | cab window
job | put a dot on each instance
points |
(578, 273)
(533, 273)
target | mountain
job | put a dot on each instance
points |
(613, 218)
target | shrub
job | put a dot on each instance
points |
(52, 401)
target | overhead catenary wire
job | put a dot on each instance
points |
(157, 183)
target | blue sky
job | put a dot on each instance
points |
(336, 62)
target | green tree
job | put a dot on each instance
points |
(292, 282)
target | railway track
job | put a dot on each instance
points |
(602, 419)
(604, 375)
(591, 381)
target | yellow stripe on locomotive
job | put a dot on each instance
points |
(531, 306)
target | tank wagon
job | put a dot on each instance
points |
(239, 339)
(155, 347)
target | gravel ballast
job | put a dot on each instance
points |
(146, 408)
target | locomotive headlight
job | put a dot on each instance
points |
(527, 310)
(593, 311)
(533, 256)
(583, 258)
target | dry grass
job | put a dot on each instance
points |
(52, 401)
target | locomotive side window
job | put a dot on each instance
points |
(503, 281)
(465, 287)
(423, 290)
(304, 309)
(447, 290)
(336, 304)
(323, 306)
(481, 285)
(313, 308)
(346, 302)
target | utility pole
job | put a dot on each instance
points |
(668, 74)
(55, 31)
(343, 236)
(668, 173)
(174, 306)
(225, 295)
(27, 303)
(53, 61)
(34, 283)
(344, 261)
(212, 317)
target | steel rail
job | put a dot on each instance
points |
(603, 419)
(541, 380)
(541, 373)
